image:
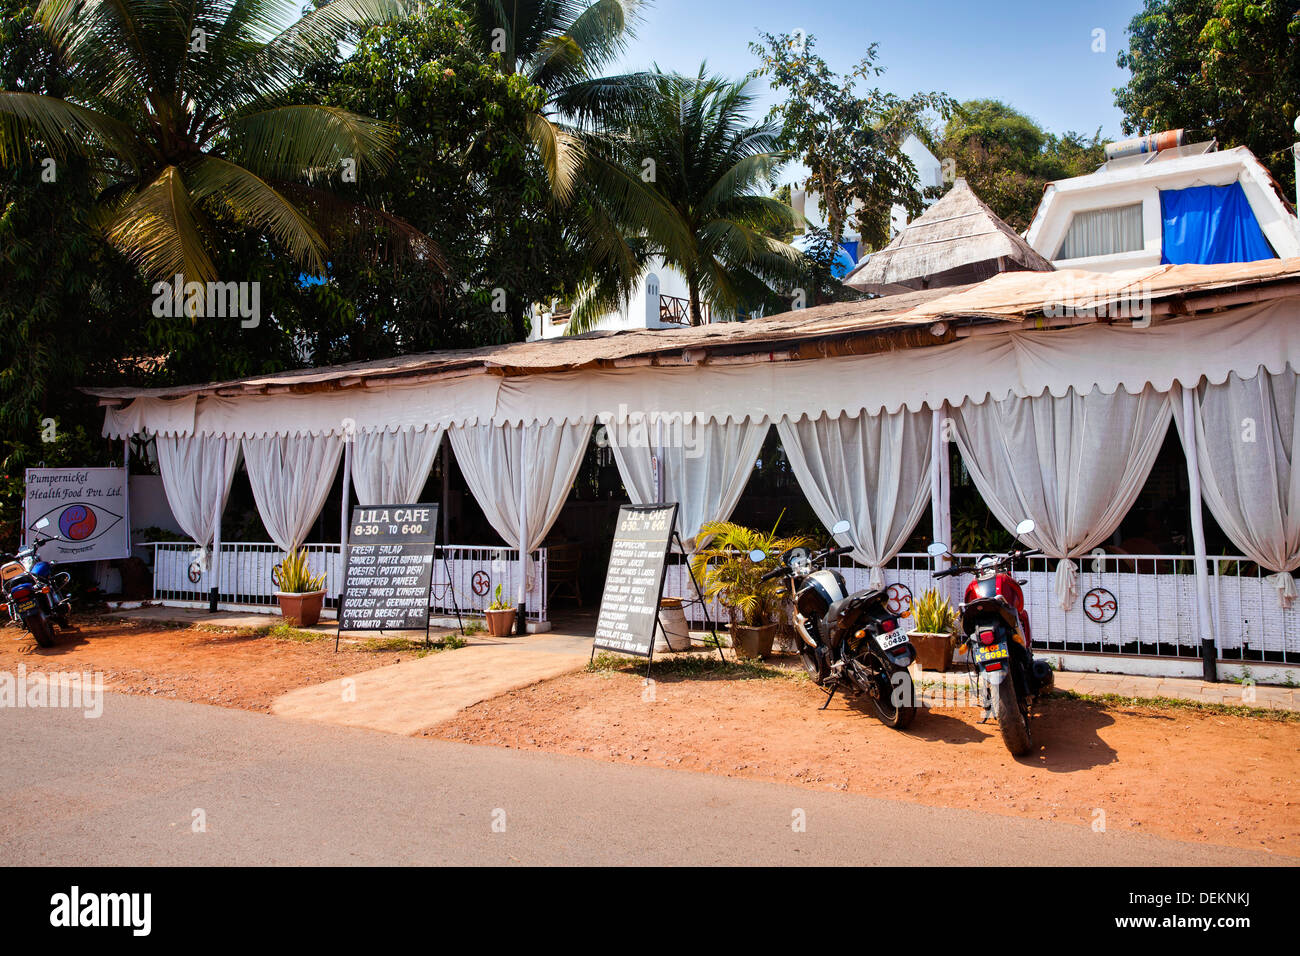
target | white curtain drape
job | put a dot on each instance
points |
(1103, 232)
(703, 466)
(871, 470)
(1246, 437)
(1073, 464)
(195, 471)
(520, 474)
(291, 478)
(390, 468)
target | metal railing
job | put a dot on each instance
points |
(462, 575)
(1128, 604)
(674, 309)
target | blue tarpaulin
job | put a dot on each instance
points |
(1210, 224)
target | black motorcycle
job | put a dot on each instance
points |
(34, 592)
(847, 640)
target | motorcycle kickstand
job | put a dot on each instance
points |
(834, 688)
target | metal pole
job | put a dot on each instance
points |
(521, 616)
(345, 509)
(1209, 653)
(446, 488)
(214, 569)
(940, 487)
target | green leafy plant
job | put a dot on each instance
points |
(500, 603)
(293, 576)
(933, 614)
(726, 572)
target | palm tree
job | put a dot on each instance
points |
(186, 109)
(561, 46)
(692, 142)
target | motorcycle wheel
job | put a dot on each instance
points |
(894, 680)
(1013, 720)
(809, 658)
(39, 625)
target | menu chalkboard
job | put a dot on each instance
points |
(634, 582)
(389, 567)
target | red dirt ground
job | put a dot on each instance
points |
(1173, 772)
(230, 669)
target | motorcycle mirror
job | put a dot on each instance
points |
(937, 549)
(43, 523)
(758, 556)
(1025, 527)
(841, 527)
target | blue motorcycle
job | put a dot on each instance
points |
(34, 592)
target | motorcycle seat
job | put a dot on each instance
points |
(836, 610)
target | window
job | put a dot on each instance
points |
(1103, 232)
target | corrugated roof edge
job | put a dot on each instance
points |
(908, 320)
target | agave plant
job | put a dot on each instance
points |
(188, 111)
(933, 614)
(726, 571)
(293, 575)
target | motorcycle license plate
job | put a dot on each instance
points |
(994, 652)
(892, 639)
(26, 606)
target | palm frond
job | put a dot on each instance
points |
(158, 229)
(561, 152)
(308, 141)
(62, 128)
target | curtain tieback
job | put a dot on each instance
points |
(1067, 583)
(877, 580)
(1285, 585)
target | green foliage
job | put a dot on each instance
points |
(726, 572)
(294, 574)
(932, 614)
(1228, 69)
(850, 141)
(702, 172)
(1007, 158)
(500, 603)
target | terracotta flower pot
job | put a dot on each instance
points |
(753, 642)
(933, 651)
(301, 609)
(500, 623)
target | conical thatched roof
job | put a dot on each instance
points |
(956, 241)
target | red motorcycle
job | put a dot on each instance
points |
(995, 626)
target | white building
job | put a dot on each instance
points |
(929, 172)
(1122, 215)
(661, 301)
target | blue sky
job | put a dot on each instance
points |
(1035, 56)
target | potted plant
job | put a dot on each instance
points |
(935, 634)
(728, 572)
(301, 594)
(500, 615)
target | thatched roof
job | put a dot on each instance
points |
(957, 241)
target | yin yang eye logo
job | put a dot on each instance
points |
(78, 522)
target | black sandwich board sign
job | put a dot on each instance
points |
(634, 583)
(389, 568)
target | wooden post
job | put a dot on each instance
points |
(1205, 624)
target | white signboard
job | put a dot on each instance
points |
(85, 510)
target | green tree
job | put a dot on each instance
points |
(184, 109)
(1007, 158)
(1227, 69)
(709, 168)
(850, 141)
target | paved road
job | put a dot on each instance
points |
(123, 789)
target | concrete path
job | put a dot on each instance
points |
(154, 782)
(1265, 697)
(407, 697)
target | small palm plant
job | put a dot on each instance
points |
(726, 572)
(294, 576)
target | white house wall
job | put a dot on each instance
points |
(1142, 184)
(640, 312)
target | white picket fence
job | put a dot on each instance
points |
(466, 579)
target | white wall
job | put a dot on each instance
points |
(640, 312)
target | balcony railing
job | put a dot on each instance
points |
(674, 310)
